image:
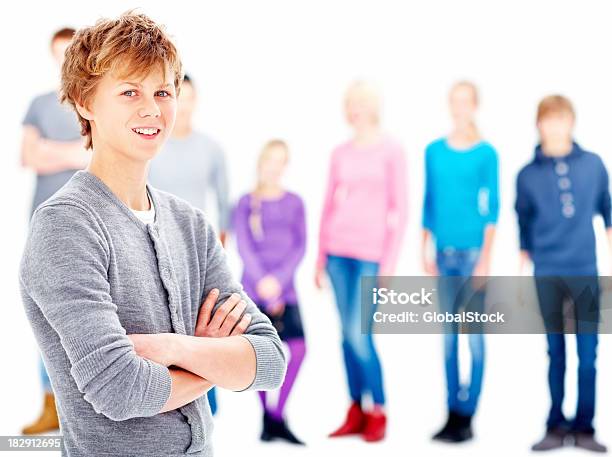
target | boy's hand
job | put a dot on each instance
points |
(157, 347)
(524, 261)
(227, 319)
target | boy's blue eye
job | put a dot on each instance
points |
(160, 93)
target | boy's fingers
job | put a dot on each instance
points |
(242, 325)
(207, 307)
(232, 318)
(221, 312)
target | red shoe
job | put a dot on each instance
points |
(353, 424)
(375, 426)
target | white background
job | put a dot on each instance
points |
(279, 69)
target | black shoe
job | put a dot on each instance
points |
(277, 429)
(458, 428)
(465, 432)
(445, 432)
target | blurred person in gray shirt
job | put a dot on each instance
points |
(52, 147)
(191, 163)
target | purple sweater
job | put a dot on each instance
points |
(271, 237)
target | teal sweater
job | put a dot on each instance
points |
(461, 193)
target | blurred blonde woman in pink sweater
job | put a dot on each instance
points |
(362, 223)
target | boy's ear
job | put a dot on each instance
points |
(84, 112)
(538, 125)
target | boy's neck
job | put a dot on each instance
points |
(126, 179)
(557, 148)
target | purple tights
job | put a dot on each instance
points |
(297, 350)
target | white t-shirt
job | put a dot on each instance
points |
(147, 216)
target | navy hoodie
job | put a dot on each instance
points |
(556, 200)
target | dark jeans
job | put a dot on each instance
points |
(584, 293)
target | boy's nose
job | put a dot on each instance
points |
(149, 109)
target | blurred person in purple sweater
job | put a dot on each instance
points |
(271, 237)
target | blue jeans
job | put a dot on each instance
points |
(44, 376)
(361, 361)
(584, 293)
(455, 291)
(212, 400)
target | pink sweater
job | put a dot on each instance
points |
(365, 207)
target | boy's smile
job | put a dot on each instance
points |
(146, 133)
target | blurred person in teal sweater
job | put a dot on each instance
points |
(460, 212)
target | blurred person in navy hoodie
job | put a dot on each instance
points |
(557, 195)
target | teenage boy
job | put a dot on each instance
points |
(51, 147)
(558, 193)
(114, 272)
(460, 211)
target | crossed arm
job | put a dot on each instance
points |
(119, 382)
(46, 156)
(200, 361)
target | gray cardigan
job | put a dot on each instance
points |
(91, 273)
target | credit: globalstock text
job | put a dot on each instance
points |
(384, 296)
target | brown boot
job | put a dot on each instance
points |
(48, 421)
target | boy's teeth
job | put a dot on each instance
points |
(146, 131)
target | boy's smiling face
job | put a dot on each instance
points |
(132, 116)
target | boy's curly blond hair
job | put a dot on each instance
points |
(131, 45)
